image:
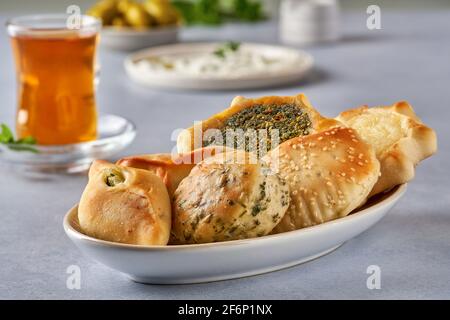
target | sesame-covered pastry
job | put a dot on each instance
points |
(329, 174)
(228, 198)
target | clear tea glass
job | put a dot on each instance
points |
(55, 66)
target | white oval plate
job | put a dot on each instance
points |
(128, 39)
(248, 81)
(233, 259)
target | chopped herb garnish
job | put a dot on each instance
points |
(233, 45)
(220, 53)
(232, 229)
(256, 209)
(230, 46)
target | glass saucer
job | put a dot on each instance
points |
(114, 134)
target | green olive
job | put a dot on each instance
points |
(136, 16)
(105, 10)
(113, 177)
(119, 22)
(123, 5)
(162, 11)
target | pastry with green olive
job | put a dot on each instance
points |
(125, 205)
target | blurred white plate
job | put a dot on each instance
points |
(128, 39)
(233, 259)
(174, 80)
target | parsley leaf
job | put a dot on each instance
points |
(233, 45)
(230, 46)
(6, 136)
(220, 53)
(23, 144)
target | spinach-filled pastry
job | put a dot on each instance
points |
(125, 205)
(292, 116)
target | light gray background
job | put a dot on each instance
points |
(408, 59)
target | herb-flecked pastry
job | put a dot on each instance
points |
(291, 116)
(329, 174)
(228, 198)
(400, 140)
(125, 205)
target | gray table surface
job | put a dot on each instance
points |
(408, 59)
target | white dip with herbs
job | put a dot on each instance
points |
(230, 60)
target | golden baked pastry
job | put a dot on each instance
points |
(398, 136)
(170, 168)
(224, 199)
(125, 205)
(161, 165)
(329, 174)
(292, 116)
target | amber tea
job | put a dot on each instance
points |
(55, 76)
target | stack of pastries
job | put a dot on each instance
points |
(318, 170)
